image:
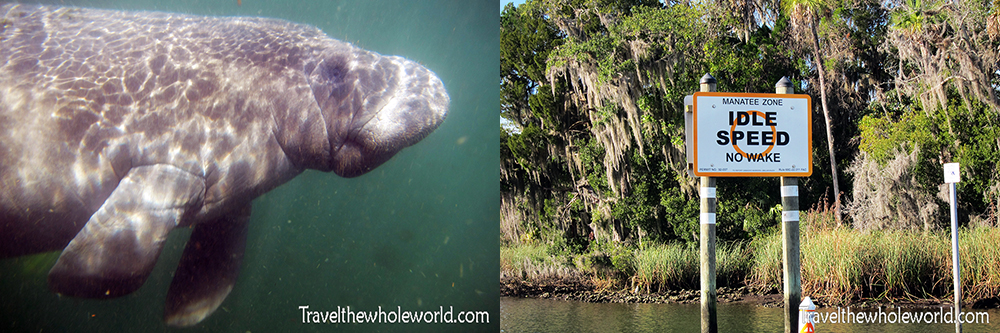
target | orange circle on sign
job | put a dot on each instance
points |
(774, 134)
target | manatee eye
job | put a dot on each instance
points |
(333, 70)
(331, 80)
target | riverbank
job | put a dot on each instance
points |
(840, 267)
(586, 293)
(764, 297)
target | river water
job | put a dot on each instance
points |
(544, 315)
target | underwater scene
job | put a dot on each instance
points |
(415, 239)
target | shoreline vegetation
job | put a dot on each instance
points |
(597, 202)
(840, 267)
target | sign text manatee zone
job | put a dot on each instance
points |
(752, 135)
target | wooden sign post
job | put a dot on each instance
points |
(709, 314)
(750, 135)
(792, 280)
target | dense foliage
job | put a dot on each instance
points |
(593, 92)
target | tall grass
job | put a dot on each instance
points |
(530, 262)
(667, 266)
(909, 264)
(766, 268)
(843, 264)
(979, 252)
(676, 266)
(734, 261)
(513, 259)
(838, 264)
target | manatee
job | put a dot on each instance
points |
(117, 127)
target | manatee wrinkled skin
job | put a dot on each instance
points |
(117, 127)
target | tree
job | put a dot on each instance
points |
(943, 45)
(526, 38)
(805, 14)
(529, 175)
(750, 14)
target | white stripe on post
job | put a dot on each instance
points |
(707, 218)
(789, 191)
(789, 216)
(708, 192)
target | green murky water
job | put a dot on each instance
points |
(419, 232)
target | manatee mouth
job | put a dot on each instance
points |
(349, 154)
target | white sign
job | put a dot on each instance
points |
(951, 174)
(752, 135)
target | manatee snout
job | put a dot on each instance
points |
(375, 106)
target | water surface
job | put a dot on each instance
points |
(544, 315)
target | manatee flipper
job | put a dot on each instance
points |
(208, 269)
(116, 250)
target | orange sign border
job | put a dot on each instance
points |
(752, 174)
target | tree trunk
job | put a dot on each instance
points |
(829, 121)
